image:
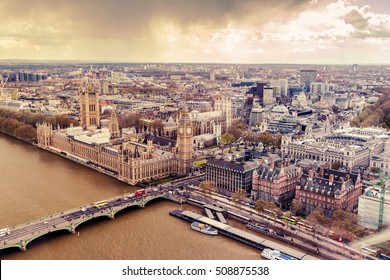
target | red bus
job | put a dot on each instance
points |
(335, 236)
(140, 192)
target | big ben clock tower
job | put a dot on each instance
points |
(184, 143)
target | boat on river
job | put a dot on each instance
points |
(204, 228)
(271, 254)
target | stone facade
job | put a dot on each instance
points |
(130, 161)
(184, 144)
(329, 190)
(232, 175)
(275, 184)
(351, 147)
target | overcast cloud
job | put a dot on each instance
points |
(241, 31)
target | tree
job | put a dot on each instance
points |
(260, 205)
(296, 207)
(238, 197)
(227, 138)
(337, 165)
(158, 125)
(376, 114)
(319, 220)
(277, 140)
(129, 120)
(375, 169)
(207, 188)
(236, 132)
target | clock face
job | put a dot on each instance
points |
(189, 130)
(181, 130)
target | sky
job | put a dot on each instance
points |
(197, 31)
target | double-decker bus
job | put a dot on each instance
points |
(100, 203)
(140, 192)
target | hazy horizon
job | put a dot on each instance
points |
(72, 61)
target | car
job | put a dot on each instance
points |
(250, 205)
(278, 233)
(83, 209)
(45, 222)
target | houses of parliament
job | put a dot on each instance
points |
(132, 158)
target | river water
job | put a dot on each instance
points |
(35, 183)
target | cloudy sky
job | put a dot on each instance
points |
(229, 31)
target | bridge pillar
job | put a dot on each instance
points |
(23, 245)
(72, 228)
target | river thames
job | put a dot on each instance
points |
(36, 183)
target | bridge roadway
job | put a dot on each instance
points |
(21, 235)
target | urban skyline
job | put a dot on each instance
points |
(255, 32)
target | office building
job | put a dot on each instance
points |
(307, 77)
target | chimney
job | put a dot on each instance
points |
(347, 177)
(272, 166)
(331, 179)
(322, 172)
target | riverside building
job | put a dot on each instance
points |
(329, 190)
(129, 160)
(275, 183)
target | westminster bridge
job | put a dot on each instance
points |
(20, 236)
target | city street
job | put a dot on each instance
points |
(310, 241)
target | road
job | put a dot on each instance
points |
(308, 240)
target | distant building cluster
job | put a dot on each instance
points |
(24, 77)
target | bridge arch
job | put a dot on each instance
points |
(153, 198)
(119, 209)
(84, 220)
(22, 245)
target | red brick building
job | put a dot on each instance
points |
(275, 183)
(328, 190)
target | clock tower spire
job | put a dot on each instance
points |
(184, 143)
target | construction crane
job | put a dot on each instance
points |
(381, 184)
